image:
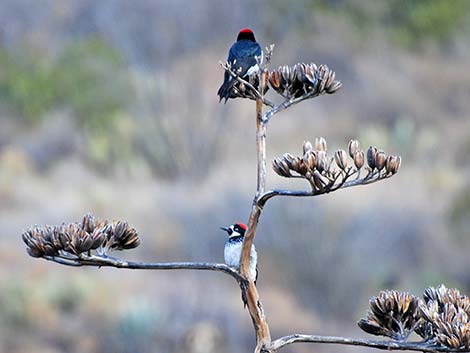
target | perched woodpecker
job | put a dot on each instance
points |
(242, 56)
(233, 249)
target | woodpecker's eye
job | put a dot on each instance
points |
(238, 229)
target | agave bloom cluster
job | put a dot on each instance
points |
(303, 79)
(392, 314)
(446, 315)
(78, 238)
(442, 317)
(327, 173)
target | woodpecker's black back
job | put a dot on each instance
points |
(242, 55)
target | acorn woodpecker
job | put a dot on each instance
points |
(233, 249)
(242, 55)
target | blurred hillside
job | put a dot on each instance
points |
(110, 107)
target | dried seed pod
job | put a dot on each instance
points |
(281, 168)
(79, 241)
(310, 74)
(397, 168)
(321, 162)
(276, 167)
(318, 181)
(359, 159)
(391, 164)
(123, 237)
(285, 72)
(392, 314)
(341, 159)
(353, 147)
(275, 80)
(371, 153)
(299, 72)
(307, 147)
(88, 223)
(303, 169)
(331, 78)
(296, 164)
(285, 167)
(289, 159)
(320, 144)
(334, 87)
(380, 160)
(310, 159)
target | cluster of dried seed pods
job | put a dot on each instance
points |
(303, 79)
(446, 315)
(443, 316)
(392, 314)
(78, 238)
(330, 173)
(380, 161)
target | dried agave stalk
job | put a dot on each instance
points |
(446, 314)
(73, 239)
(392, 314)
(326, 174)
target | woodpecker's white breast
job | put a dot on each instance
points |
(232, 253)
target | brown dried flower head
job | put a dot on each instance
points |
(446, 314)
(303, 79)
(121, 236)
(380, 160)
(392, 314)
(39, 241)
(326, 173)
(79, 238)
(341, 159)
(359, 159)
(353, 147)
(320, 144)
(371, 153)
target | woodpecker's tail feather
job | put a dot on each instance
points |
(244, 288)
(225, 91)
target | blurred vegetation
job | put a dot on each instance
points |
(408, 23)
(459, 215)
(87, 78)
(84, 77)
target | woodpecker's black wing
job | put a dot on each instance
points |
(242, 55)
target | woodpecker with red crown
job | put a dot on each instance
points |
(241, 56)
(233, 249)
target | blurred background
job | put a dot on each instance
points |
(110, 107)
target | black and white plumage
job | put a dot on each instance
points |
(233, 249)
(242, 56)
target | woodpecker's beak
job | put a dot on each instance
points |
(226, 229)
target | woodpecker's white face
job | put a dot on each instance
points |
(235, 230)
(233, 248)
